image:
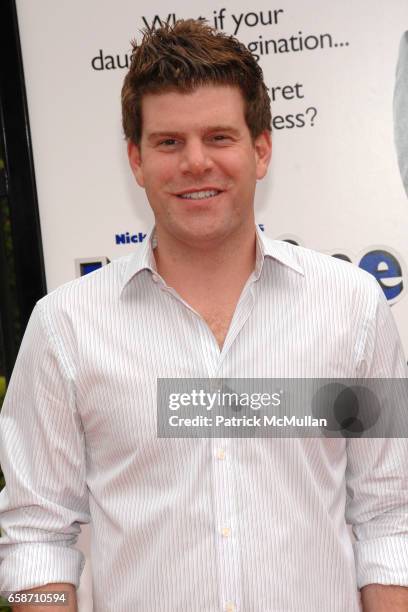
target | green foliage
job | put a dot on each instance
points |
(3, 605)
(10, 267)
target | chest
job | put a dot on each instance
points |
(219, 321)
(117, 382)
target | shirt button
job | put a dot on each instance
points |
(225, 532)
(220, 454)
(230, 607)
(155, 278)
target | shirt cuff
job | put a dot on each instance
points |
(34, 565)
(382, 561)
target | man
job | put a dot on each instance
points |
(207, 523)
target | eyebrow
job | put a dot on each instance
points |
(216, 128)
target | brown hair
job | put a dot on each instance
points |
(185, 56)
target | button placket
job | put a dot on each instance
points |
(225, 522)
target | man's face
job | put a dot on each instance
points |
(198, 163)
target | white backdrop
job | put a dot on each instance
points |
(334, 184)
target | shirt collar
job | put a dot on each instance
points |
(143, 257)
(278, 250)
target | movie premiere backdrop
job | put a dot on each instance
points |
(337, 74)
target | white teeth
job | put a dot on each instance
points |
(199, 195)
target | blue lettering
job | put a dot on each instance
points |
(127, 238)
(383, 265)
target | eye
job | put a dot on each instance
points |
(221, 139)
(168, 142)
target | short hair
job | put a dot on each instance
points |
(187, 55)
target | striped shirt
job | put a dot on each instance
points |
(203, 524)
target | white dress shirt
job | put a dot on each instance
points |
(202, 524)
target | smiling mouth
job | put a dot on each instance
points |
(199, 195)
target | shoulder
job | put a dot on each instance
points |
(325, 272)
(95, 290)
(327, 286)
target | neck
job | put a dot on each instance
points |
(219, 268)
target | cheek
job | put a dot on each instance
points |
(241, 164)
(159, 175)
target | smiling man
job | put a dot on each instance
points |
(234, 524)
(199, 163)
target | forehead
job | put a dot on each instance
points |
(202, 107)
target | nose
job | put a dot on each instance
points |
(195, 158)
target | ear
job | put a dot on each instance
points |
(135, 162)
(263, 152)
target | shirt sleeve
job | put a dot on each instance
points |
(42, 454)
(377, 472)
